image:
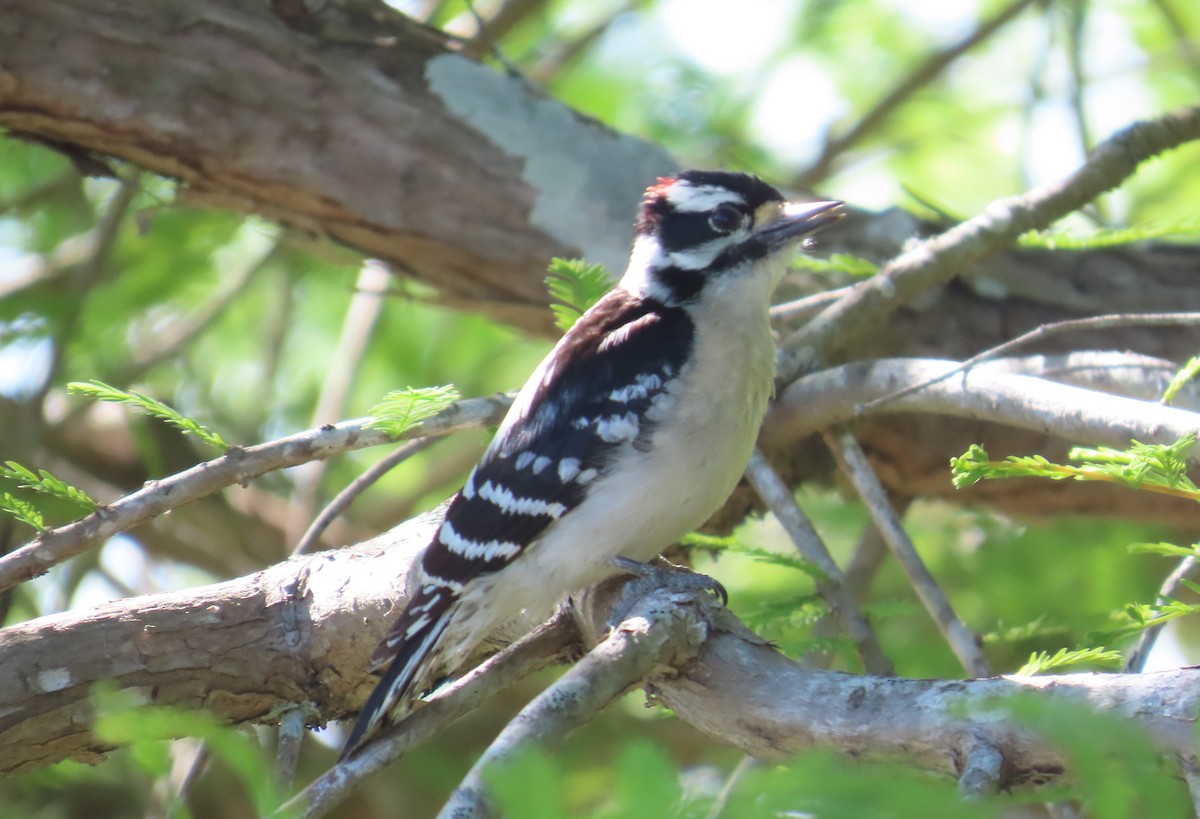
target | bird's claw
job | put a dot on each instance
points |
(660, 574)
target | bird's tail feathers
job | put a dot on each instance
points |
(405, 654)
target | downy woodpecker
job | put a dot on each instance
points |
(630, 433)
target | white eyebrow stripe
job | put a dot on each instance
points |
(688, 199)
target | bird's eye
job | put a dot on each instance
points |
(725, 219)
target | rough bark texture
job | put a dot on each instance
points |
(248, 649)
(298, 634)
(359, 125)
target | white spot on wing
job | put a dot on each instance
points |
(568, 468)
(643, 385)
(617, 428)
(473, 550)
(416, 625)
(468, 490)
(502, 497)
(524, 460)
(540, 464)
(586, 476)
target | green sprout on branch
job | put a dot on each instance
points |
(842, 263)
(574, 286)
(151, 406)
(1040, 662)
(47, 484)
(401, 410)
(1153, 467)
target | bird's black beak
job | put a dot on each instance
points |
(801, 219)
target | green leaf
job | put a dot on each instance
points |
(1116, 767)
(123, 719)
(574, 286)
(1109, 237)
(1156, 467)
(47, 484)
(1185, 374)
(1040, 662)
(842, 263)
(151, 406)
(1168, 549)
(401, 410)
(23, 511)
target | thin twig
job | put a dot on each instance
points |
(982, 768)
(832, 587)
(940, 258)
(562, 54)
(238, 466)
(544, 646)
(356, 487)
(921, 76)
(1044, 331)
(357, 326)
(808, 304)
(854, 464)
(170, 340)
(287, 754)
(88, 274)
(722, 798)
(190, 771)
(1135, 661)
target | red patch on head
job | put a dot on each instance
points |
(659, 188)
(653, 204)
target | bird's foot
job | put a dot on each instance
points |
(659, 574)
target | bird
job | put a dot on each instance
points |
(631, 432)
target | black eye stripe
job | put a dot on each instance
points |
(679, 231)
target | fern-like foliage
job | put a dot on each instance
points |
(151, 406)
(401, 410)
(574, 286)
(1154, 467)
(1111, 237)
(1137, 617)
(842, 263)
(1040, 662)
(22, 510)
(734, 546)
(42, 481)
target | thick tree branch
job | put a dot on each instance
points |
(986, 393)
(291, 635)
(352, 122)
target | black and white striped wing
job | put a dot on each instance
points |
(588, 398)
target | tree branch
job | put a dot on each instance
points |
(937, 260)
(238, 466)
(351, 121)
(984, 393)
